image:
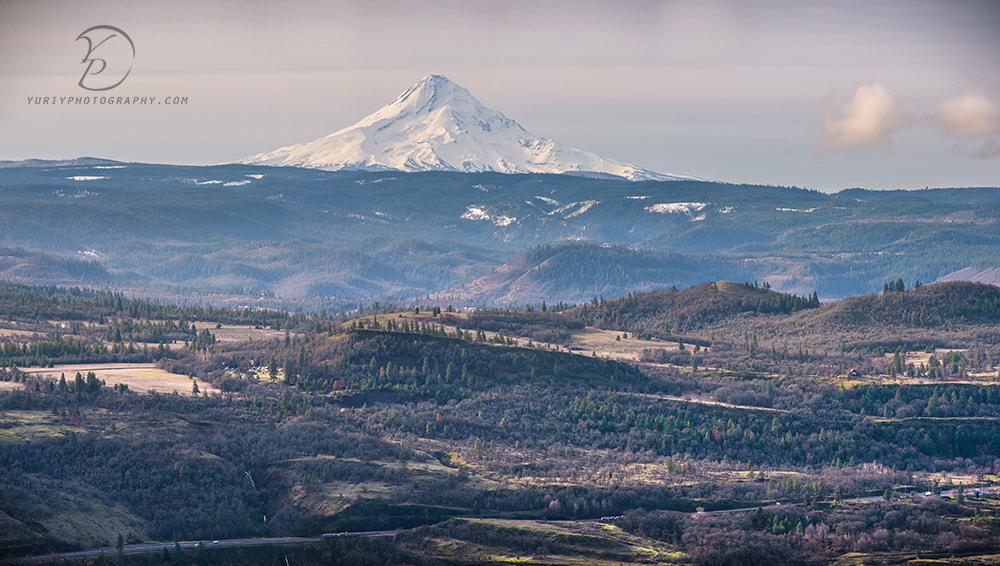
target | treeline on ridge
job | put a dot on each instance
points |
(673, 310)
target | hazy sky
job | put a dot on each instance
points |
(819, 94)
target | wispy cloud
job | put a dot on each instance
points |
(869, 119)
(990, 148)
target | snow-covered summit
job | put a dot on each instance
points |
(436, 125)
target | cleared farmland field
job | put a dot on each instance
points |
(141, 378)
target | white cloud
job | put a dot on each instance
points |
(972, 116)
(869, 119)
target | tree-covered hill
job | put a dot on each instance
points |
(945, 304)
(690, 309)
(926, 306)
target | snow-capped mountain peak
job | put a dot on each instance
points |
(437, 125)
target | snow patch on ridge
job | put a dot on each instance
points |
(475, 213)
(549, 201)
(677, 207)
(583, 207)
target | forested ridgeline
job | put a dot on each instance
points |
(932, 305)
(692, 308)
(39, 303)
(48, 325)
(925, 306)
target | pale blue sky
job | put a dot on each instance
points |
(825, 95)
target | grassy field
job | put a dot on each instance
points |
(232, 333)
(141, 378)
(610, 344)
(20, 426)
(77, 512)
(504, 541)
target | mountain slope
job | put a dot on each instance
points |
(436, 125)
(577, 272)
(38, 268)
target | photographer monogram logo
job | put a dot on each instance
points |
(109, 57)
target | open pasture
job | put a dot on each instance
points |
(141, 378)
